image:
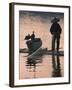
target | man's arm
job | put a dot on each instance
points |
(51, 29)
(60, 29)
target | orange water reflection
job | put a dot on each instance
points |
(42, 67)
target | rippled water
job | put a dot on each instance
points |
(41, 66)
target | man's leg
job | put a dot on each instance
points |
(58, 43)
(53, 43)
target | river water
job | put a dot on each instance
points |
(41, 67)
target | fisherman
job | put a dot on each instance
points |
(55, 31)
(33, 36)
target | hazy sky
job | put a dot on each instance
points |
(40, 22)
(44, 15)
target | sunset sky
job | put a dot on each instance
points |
(40, 22)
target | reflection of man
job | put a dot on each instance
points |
(56, 66)
(55, 31)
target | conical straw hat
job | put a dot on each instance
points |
(55, 19)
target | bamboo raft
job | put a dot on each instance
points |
(42, 51)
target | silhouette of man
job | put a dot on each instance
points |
(33, 36)
(55, 31)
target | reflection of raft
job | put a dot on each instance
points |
(34, 44)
